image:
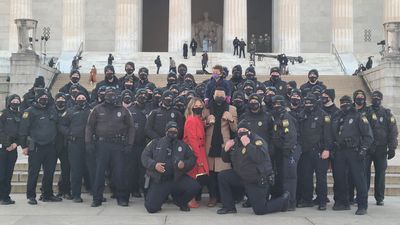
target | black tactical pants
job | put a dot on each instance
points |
(135, 169)
(182, 191)
(108, 153)
(379, 158)
(7, 163)
(349, 163)
(240, 53)
(64, 184)
(286, 174)
(310, 162)
(257, 194)
(77, 160)
(46, 156)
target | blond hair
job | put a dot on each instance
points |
(192, 102)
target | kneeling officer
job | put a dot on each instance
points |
(167, 161)
(252, 169)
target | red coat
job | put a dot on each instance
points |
(194, 136)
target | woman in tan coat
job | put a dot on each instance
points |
(221, 121)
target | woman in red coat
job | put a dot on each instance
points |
(194, 136)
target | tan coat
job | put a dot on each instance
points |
(216, 164)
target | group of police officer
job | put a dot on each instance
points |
(128, 131)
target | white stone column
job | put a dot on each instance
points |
(128, 26)
(289, 26)
(180, 24)
(235, 23)
(19, 9)
(73, 24)
(342, 25)
(392, 11)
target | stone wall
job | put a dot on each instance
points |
(4, 23)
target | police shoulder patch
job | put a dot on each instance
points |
(327, 119)
(259, 143)
(392, 119)
(364, 119)
(285, 123)
(25, 115)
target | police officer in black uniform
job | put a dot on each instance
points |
(167, 160)
(136, 170)
(353, 137)
(296, 104)
(316, 143)
(259, 121)
(10, 118)
(72, 125)
(155, 101)
(143, 78)
(100, 97)
(286, 151)
(110, 132)
(158, 118)
(327, 102)
(238, 100)
(75, 77)
(313, 76)
(110, 80)
(269, 94)
(384, 128)
(276, 81)
(64, 184)
(252, 169)
(39, 124)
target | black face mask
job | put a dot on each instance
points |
(359, 101)
(243, 133)
(172, 135)
(309, 108)
(312, 79)
(143, 76)
(141, 99)
(171, 81)
(14, 106)
(248, 90)
(180, 107)
(376, 102)
(74, 94)
(74, 80)
(197, 111)
(219, 100)
(268, 99)
(149, 96)
(43, 102)
(250, 76)
(128, 86)
(238, 103)
(111, 98)
(236, 75)
(81, 102)
(129, 71)
(275, 78)
(167, 102)
(60, 105)
(278, 109)
(156, 98)
(295, 101)
(127, 100)
(101, 97)
(324, 100)
(189, 82)
(345, 108)
(109, 76)
(182, 71)
(254, 106)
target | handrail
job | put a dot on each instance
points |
(338, 58)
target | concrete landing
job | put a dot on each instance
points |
(82, 214)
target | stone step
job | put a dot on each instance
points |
(20, 188)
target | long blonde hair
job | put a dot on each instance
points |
(189, 111)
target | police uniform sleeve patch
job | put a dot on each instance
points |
(364, 119)
(327, 119)
(259, 143)
(285, 123)
(25, 115)
(392, 119)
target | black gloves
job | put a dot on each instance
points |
(391, 154)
